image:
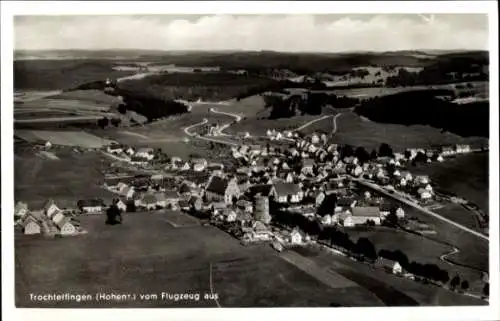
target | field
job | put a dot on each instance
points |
(418, 249)
(391, 290)
(466, 176)
(480, 86)
(460, 215)
(358, 131)
(94, 96)
(64, 138)
(67, 180)
(149, 255)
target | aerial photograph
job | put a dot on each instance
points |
(251, 161)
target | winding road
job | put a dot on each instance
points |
(312, 122)
(195, 135)
(420, 208)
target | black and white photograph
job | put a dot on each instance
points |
(165, 160)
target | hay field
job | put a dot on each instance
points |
(64, 138)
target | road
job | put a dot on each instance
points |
(334, 130)
(312, 122)
(420, 208)
(225, 126)
(187, 132)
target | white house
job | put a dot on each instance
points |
(358, 171)
(326, 220)
(115, 149)
(389, 265)
(66, 227)
(147, 153)
(50, 208)
(424, 194)
(185, 166)
(295, 237)
(121, 205)
(400, 213)
(57, 217)
(48, 145)
(91, 206)
(199, 164)
(130, 151)
(31, 225)
(462, 149)
(315, 139)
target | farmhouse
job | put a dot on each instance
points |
(424, 194)
(115, 149)
(31, 225)
(91, 206)
(66, 227)
(295, 237)
(147, 153)
(287, 192)
(50, 208)
(389, 265)
(20, 209)
(221, 189)
(361, 215)
(199, 164)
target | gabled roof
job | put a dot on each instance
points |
(145, 150)
(345, 201)
(366, 211)
(148, 199)
(286, 189)
(263, 189)
(90, 203)
(217, 185)
(63, 222)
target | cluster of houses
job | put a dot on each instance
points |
(50, 220)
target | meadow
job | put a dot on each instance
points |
(359, 131)
(64, 138)
(160, 258)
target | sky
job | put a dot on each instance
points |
(289, 33)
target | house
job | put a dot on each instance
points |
(326, 220)
(389, 265)
(57, 217)
(319, 199)
(315, 138)
(363, 214)
(130, 151)
(346, 202)
(221, 189)
(48, 144)
(147, 153)
(148, 201)
(440, 159)
(244, 184)
(115, 149)
(122, 206)
(424, 194)
(296, 237)
(245, 205)
(262, 189)
(128, 192)
(199, 164)
(170, 198)
(447, 151)
(261, 232)
(196, 203)
(460, 149)
(50, 208)
(20, 209)
(185, 166)
(31, 225)
(229, 215)
(287, 192)
(307, 166)
(385, 209)
(422, 179)
(400, 213)
(66, 227)
(358, 170)
(91, 206)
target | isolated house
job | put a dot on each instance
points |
(424, 194)
(363, 214)
(115, 149)
(221, 189)
(287, 192)
(91, 206)
(50, 208)
(199, 164)
(389, 265)
(296, 237)
(147, 153)
(66, 227)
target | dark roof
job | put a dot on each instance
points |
(263, 189)
(286, 189)
(217, 185)
(345, 201)
(369, 211)
(185, 188)
(90, 203)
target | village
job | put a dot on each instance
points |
(309, 194)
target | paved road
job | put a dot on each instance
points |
(420, 208)
(225, 126)
(334, 130)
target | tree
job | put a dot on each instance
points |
(103, 122)
(365, 247)
(373, 154)
(131, 206)
(454, 282)
(465, 285)
(385, 150)
(116, 121)
(362, 155)
(122, 109)
(391, 219)
(407, 154)
(113, 215)
(486, 289)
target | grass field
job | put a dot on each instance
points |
(95, 96)
(357, 131)
(466, 176)
(460, 215)
(418, 249)
(394, 291)
(64, 138)
(67, 180)
(148, 255)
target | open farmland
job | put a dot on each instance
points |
(160, 258)
(95, 96)
(64, 138)
(70, 178)
(466, 176)
(359, 131)
(419, 249)
(461, 215)
(394, 291)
